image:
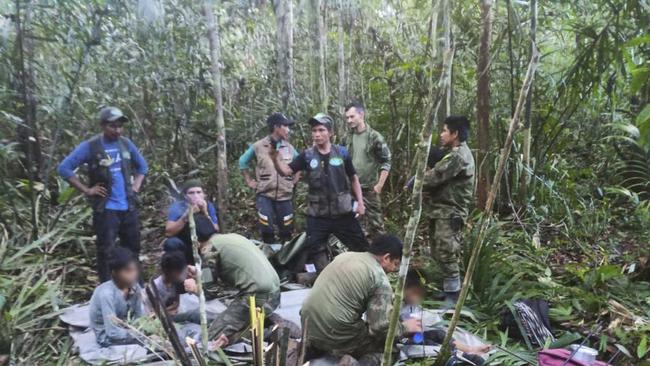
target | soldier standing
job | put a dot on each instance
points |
(449, 192)
(332, 184)
(371, 158)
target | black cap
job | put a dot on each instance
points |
(278, 118)
(111, 114)
(321, 119)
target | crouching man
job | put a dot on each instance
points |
(241, 266)
(120, 297)
(177, 228)
(354, 284)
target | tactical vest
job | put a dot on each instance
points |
(329, 186)
(269, 182)
(99, 173)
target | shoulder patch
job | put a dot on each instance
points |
(313, 163)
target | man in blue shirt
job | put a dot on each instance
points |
(116, 170)
(177, 228)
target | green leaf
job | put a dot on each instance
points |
(642, 348)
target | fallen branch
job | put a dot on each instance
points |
(444, 353)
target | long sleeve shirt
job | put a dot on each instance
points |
(82, 154)
(108, 301)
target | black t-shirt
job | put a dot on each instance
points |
(300, 163)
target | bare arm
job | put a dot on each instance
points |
(174, 227)
(282, 167)
(356, 190)
(252, 183)
(383, 175)
(97, 190)
(296, 177)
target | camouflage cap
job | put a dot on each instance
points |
(321, 119)
(111, 114)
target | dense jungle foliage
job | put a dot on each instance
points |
(573, 215)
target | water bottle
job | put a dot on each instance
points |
(418, 337)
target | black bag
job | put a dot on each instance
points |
(528, 320)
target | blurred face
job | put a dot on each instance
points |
(195, 195)
(174, 276)
(282, 131)
(127, 276)
(390, 264)
(354, 118)
(413, 295)
(320, 134)
(448, 138)
(112, 130)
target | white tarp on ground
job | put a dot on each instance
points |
(289, 309)
(77, 316)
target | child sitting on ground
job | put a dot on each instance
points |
(414, 292)
(172, 283)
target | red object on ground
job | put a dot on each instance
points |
(556, 357)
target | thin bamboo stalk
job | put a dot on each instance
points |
(199, 282)
(436, 94)
(444, 353)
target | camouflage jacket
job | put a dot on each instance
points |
(449, 186)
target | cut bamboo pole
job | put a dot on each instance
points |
(444, 353)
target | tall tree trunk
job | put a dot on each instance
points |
(341, 68)
(525, 175)
(284, 21)
(483, 102)
(27, 132)
(319, 13)
(215, 68)
(444, 352)
(437, 94)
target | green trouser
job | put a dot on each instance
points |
(367, 350)
(446, 244)
(373, 221)
(234, 320)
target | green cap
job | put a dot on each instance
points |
(192, 183)
(321, 119)
(111, 114)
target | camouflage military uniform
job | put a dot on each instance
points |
(241, 266)
(353, 284)
(370, 155)
(449, 192)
